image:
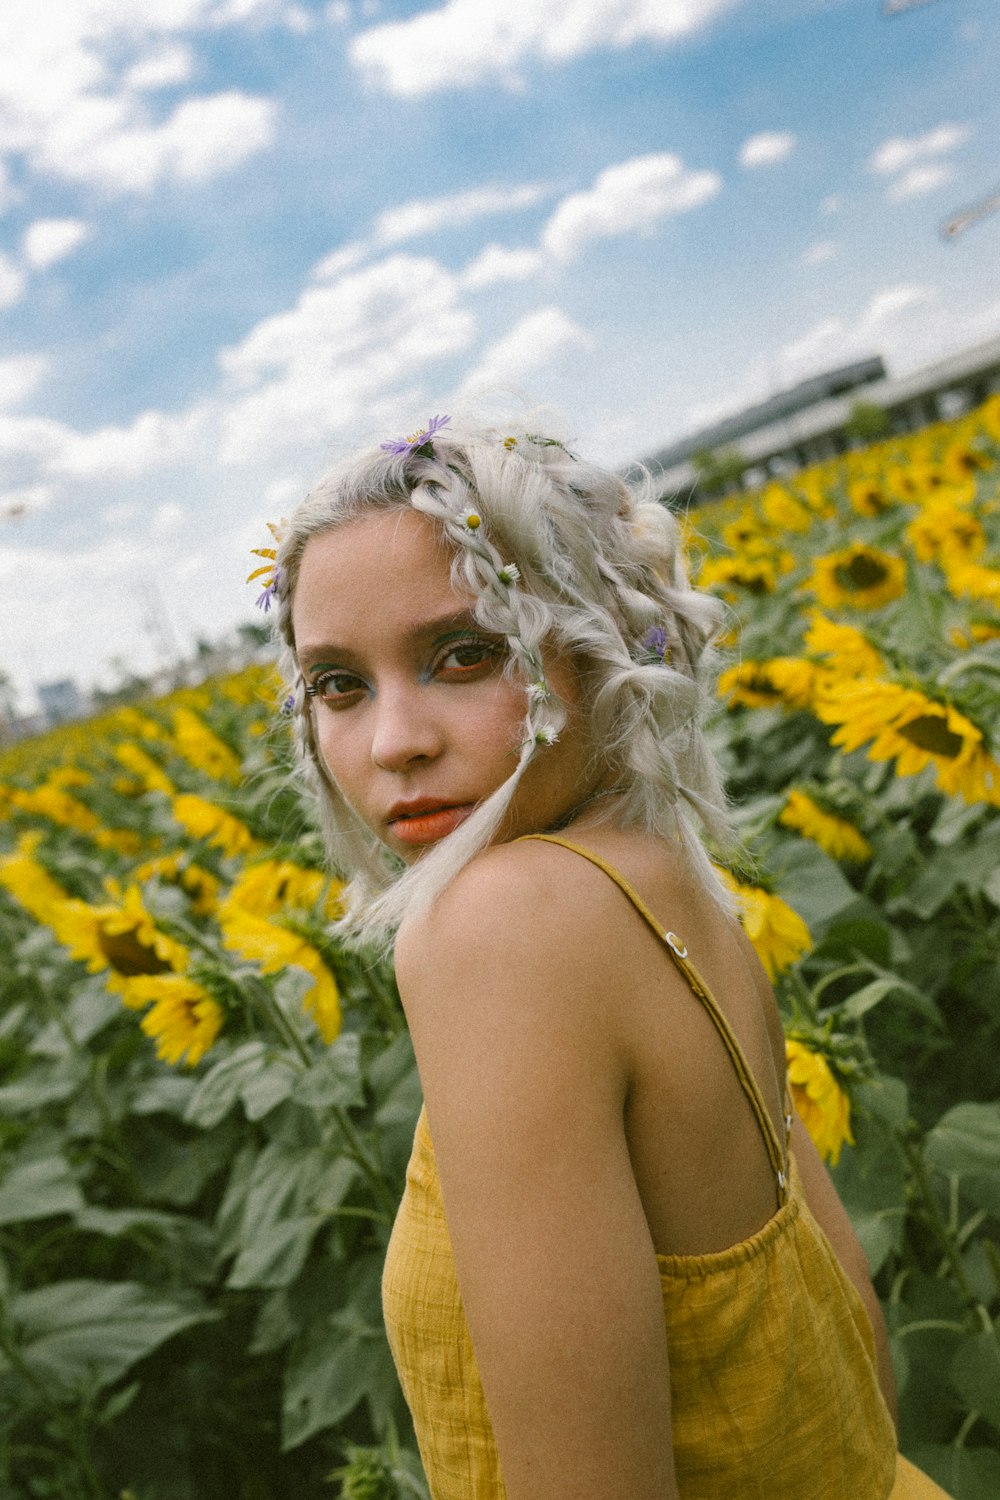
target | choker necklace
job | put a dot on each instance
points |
(578, 807)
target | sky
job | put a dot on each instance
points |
(240, 239)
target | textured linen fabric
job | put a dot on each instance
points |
(774, 1389)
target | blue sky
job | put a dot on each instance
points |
(240, 238)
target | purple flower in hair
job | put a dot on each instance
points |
(266, 599)
(655, 642)
(418, 440)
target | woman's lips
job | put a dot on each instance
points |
(427, 827)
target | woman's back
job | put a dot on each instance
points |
(773, 1382)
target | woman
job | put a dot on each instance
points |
(620, 1272)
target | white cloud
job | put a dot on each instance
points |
(499, 263)
(888, 304)
(537, 341)
(340, 356)
(920, 180)
(47, 241)
(160, 69)
(344, 258)
(153, 440)
(632, 195)
(12, 281)
(20, 376)
(766, 148)
(833, 339)
(8, 196)
(819, 253)
(466, 41)
(71, 101)
(900, 151)
(831, 204)
(427, 215)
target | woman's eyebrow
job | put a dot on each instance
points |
(436, 630)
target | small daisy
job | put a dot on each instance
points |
(538, 691)
(471, 520)
(546, 735)
(508, 574)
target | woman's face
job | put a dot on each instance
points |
(414, 717)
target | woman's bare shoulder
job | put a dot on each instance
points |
(518, 896)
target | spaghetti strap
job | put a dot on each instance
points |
(679, 953)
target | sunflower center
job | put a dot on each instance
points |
(862, 572)
(931, 732)
(128, 956)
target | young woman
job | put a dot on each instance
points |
(620, 1270)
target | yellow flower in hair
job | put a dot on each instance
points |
(858, 576)
(822, 1105)
(835, 836)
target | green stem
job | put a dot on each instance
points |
(935, 1221)
(359, 1155)
(966, 1428)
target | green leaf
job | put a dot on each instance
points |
(975, 1375)
(813, 884)
(966, 1140)
(329, 1372)
(165, 1093)
(32, 1092)
(965, 1473)
(39, 1190)
(275, 1254)
(335, 1078)
(269, 1088)
(219, 1089)
(84, 1335)
(872, 994)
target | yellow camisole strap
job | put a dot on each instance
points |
(678, 952)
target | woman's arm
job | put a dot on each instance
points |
(832, 1218)
(524, 1081)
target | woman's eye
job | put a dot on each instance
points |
(468, 657)
(335, 688)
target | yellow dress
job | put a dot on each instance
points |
(774, 1391)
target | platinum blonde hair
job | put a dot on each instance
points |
(558, 553)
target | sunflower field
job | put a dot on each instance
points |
(206, 1106)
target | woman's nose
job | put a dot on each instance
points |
(405, 729)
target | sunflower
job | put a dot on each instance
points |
(148, 774)
(273, 886)
(755, 575)
(29, 882)
(118, 936)
(203, 749)
(51, 802)
(822, 1105)
(205, 820)
(849, 651)
(780, 682)
(971, 580)
(870, 496)
(835, 836)
(858, 576)
(942, 529)
(778, 933)
(905, 725)
(784, 511)
(173, 869)
(275, 947)
(182, 1019)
